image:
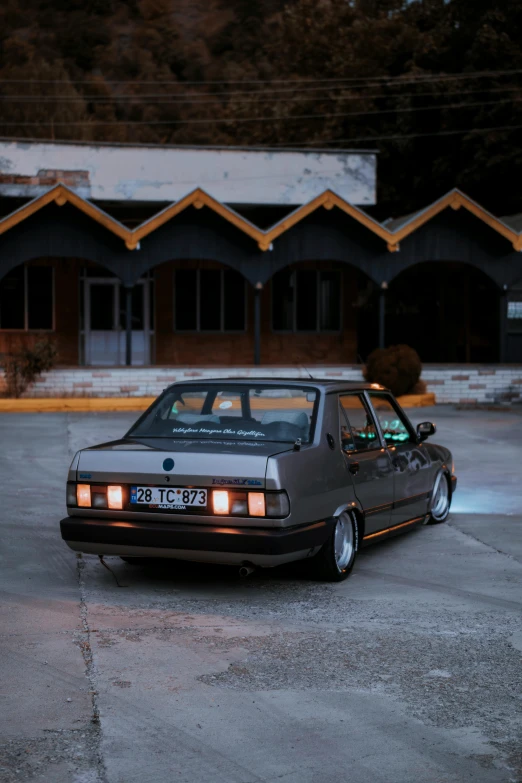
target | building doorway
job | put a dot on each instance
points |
(103, 330)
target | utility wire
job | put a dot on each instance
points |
(173, 99)
(353, 79)
(93, 121)
(403, 136)
(295, 146)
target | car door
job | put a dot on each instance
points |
(367, 460)
(411, 462)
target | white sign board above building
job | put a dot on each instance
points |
(235, 176)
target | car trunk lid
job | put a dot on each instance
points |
(196, 462)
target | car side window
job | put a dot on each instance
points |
(358, 431)
(394, 425)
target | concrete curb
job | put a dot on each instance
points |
(74, 404)
(417, 400)
(100, 404)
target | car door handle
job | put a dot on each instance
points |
(353, 467)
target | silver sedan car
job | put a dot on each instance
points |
(259, 472)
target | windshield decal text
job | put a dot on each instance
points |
(206, 431)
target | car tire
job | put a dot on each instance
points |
(335, 560)
(440, 500)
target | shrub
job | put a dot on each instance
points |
(24, 366)
(397, 367)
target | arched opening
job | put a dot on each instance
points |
(203, 314)
(447, 311)
(40, 299)
(78, 304)
(318, 312)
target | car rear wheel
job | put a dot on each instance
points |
(335, 560)
(441, 500)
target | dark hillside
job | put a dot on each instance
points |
(436, 87)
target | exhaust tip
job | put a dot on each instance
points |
(246, 570)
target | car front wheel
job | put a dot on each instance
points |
(441, 500)
(335, 560)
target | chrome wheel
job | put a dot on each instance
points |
(441, 499)
(343, 541)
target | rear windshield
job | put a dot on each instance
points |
(279, 414)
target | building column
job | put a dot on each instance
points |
(128, 325)
(502, 331)
(257, 323)
(382, 314)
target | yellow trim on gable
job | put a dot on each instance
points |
(328, 200)
(456, 200)
(198, 199)
(62, 195)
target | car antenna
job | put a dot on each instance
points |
(308, 371)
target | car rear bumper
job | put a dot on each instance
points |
(208, 543)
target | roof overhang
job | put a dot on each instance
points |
(199, 199)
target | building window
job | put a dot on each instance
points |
(209, 300)
(26, 298)
(306, 300)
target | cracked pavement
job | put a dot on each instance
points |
(409, 671)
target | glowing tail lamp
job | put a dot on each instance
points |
(114, 497)
(83, 495)
(256, 504)
(220, 501)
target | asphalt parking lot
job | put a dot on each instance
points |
(410, 671)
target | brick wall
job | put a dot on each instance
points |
(451, 383)
(49, 177)
(238, 349)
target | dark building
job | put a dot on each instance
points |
(165, 256)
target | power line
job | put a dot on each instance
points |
(131, 123)
(407, 136)
(366, 80)
(301, 146)
(172, 99)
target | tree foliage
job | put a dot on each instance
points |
(398, 368)
(125, 71)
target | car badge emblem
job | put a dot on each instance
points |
(168, 464)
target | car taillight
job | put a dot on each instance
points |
(277, 504)
(83, 495)
(99, 496)
(250, 504)
(71, 494)
(256, 504)
(115, 497)
(220, 502)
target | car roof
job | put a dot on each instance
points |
(327, 384)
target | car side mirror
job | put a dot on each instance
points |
(425, 429)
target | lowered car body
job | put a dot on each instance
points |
(258, 473)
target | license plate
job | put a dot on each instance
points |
(168, 497)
